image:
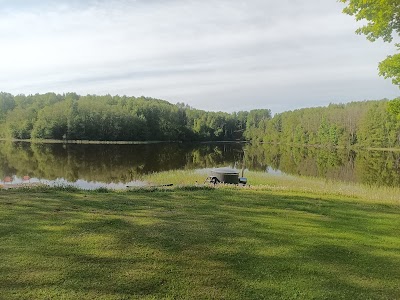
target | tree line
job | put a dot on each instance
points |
(117, 118)
(120, 118)
(369, 124)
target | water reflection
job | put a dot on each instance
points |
(109, 163)
(379, 168)
(120, 165)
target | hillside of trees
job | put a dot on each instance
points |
(69, 116)
(117, 118)
(369, 124)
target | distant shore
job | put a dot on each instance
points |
(93, 142)
(51, 141)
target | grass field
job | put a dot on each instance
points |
(195, 243)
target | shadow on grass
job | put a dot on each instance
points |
(196, 244)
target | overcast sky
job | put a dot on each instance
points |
(224, 55)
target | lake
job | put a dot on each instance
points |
(93, 166)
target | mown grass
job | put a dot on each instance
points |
(197, 244)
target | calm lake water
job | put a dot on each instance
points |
(92, 166)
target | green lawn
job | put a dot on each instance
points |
(201, 244)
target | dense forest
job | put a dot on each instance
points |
(120, 118)
(117, 118)
(368, 124)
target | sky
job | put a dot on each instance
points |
(225, 55)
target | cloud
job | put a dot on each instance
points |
(211, 54)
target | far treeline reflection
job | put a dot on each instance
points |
(125, 163)
(110, 163)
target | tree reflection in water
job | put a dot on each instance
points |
(126, 163)
(380, 168)
(110, 163)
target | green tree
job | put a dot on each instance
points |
(382, 21)
(256, 123)
(7, 103)
(394, 107)
(92, 117)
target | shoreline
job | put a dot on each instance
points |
(93, 142)
(7, 186)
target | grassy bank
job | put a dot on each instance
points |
(262, 181)
(220, 243)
